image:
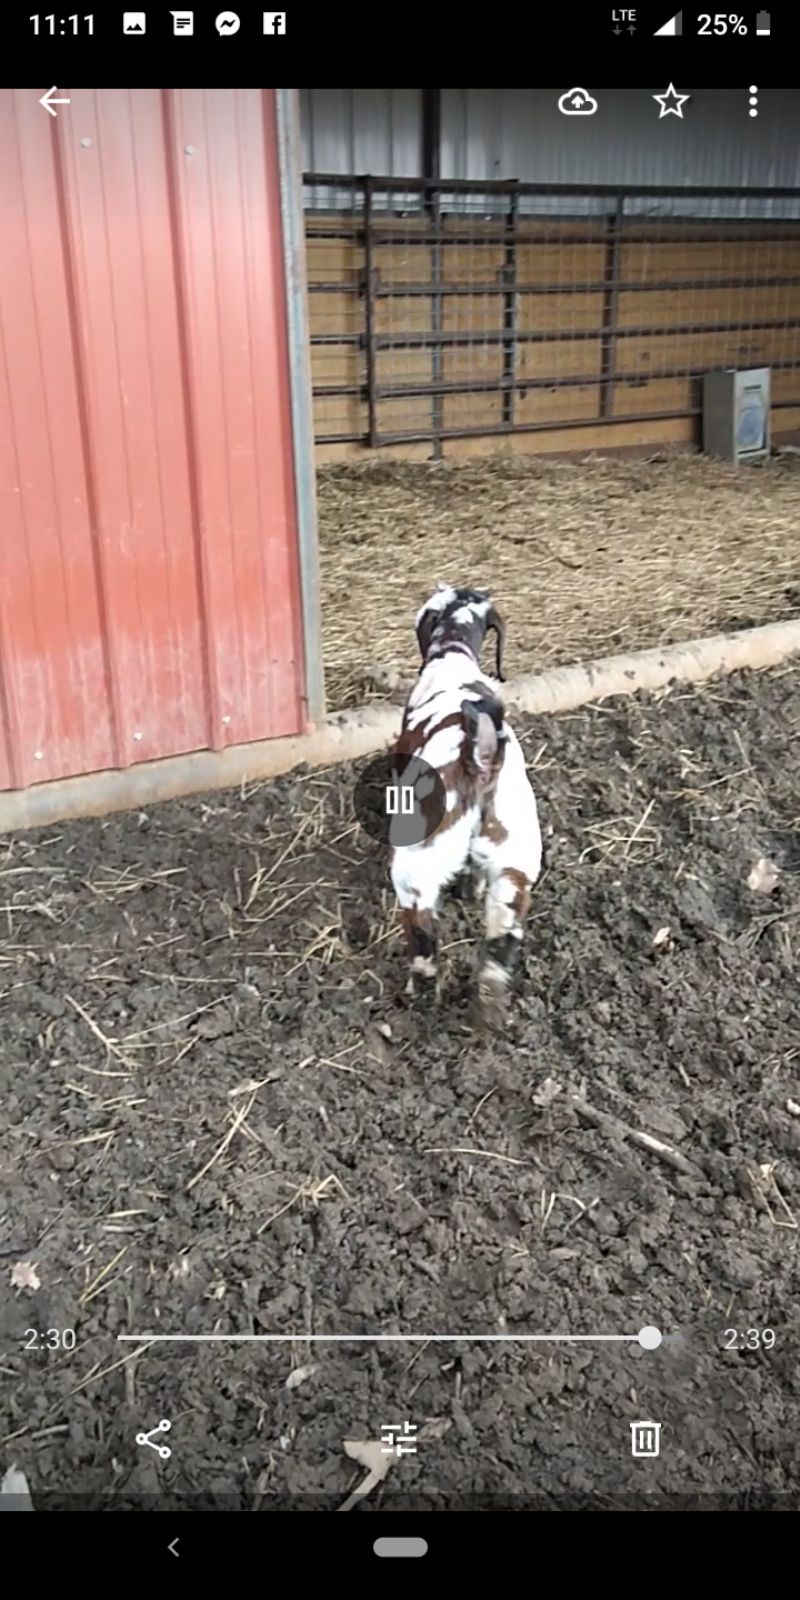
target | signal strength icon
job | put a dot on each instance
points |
(672, 29)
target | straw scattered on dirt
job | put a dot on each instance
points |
(584, 557)
(223, 1115)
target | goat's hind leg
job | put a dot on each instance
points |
(419, 927)
(508, 894)
(418, 889)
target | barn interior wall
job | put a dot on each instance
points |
(520, 133)
(714, 279)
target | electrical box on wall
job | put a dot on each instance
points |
(736, 414)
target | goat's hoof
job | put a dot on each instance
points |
(424, 987)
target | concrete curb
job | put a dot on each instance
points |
(348, 735)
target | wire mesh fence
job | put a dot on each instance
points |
(444, 310)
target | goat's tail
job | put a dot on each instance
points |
(485, 734)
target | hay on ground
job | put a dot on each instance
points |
(584, 557)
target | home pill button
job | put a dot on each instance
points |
(400, 1547)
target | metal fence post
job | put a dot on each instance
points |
(373, 436)
(510, 312)
(608, 353)
(437, 309)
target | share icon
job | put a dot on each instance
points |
(147, 1438)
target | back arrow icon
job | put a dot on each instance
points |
(173, 1547)
(48, 102)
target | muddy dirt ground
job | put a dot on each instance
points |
(220, 1114)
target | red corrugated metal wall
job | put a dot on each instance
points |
(149, 578)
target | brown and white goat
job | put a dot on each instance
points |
(454, 721)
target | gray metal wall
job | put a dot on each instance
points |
(520, 133)
(360, 131)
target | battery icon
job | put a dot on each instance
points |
(762, 22)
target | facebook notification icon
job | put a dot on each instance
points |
(274, 21)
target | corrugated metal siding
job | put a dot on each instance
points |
(149, 590)
(520, 133)
(358, 131)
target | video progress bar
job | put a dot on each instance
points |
(648, 1338)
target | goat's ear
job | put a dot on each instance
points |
(425, 628)
(495, 624)
(483, 735)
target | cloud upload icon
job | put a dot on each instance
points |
(577, 103)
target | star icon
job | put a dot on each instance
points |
(671, 102)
